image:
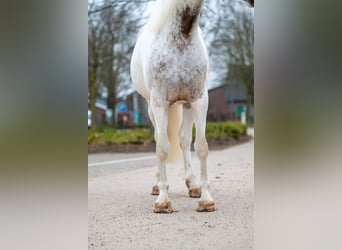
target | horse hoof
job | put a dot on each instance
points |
(195, 193)
(187, 183)
(206, 206)
(163, 207)
(155, 190)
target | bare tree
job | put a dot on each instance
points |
(121, 27)
(118, 23)
(95, 42)
(233, 46)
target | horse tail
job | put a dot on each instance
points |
(174, 123)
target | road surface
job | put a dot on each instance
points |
(120, 205)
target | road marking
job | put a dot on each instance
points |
(120, 161)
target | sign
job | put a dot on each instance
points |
(240, 109)
(122, 107)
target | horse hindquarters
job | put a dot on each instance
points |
(137, 66)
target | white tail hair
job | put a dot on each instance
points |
(163, 10)
(174, 122)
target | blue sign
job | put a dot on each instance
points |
(122, 107)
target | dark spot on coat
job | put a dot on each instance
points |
(189, 17)
(250, 2)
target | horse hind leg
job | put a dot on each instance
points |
(185, 143)
(162, 204)
(206, 202)
(155, 189)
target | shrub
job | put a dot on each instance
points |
(111, 135)
(219, 130)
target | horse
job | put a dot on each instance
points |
(170, 69)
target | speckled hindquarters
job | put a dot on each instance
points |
(178, 77)
(179, 63)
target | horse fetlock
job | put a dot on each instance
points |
(155, 190)
(190, 181)
(195, 193)
(205, 195)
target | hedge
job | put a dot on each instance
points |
(112, 135)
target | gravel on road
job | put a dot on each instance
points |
(120, 207)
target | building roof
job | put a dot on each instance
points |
(217, 87)
(100, 103)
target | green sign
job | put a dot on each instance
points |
(240, 109)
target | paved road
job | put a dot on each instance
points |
(120, 205)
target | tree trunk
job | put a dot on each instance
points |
(111, 101)
(92, 96)
(250, 101)
(111, 85)
(248, 109)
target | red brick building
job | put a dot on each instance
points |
(218, 107)
(224, 100)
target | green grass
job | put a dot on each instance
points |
(112, 135)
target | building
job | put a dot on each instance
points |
(138, 105)
(227, 102)
(134, 106)
(100, 111)
(218, 109)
